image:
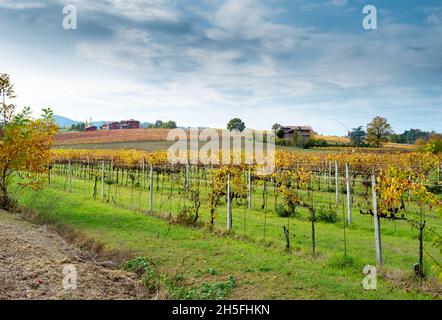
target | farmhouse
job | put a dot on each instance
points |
(91, 128)
(124, 124)
(303, 131)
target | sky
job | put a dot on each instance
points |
(203, 62)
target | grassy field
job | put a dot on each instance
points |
(254, 254)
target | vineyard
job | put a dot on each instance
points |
(290, 209)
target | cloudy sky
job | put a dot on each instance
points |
(202, 62)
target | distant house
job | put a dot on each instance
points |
(91, 128)
(303, 131)
(130, 124)
(111, 126)
(124, 124)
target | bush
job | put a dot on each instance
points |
(326, 214)
(185, 217)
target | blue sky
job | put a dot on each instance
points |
(202, 62)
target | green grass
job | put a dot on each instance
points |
(261, 267)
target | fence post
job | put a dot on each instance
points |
(151, 188)
(377, 226)
(249, 180)
(70, 175)
(337, 181)
(229, 205)
(102, 180)
(347, 177)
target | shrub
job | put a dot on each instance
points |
(185, 217)
(326, 214)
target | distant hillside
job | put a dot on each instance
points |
(64, 122)
(106, 136)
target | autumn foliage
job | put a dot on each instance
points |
(25, 150)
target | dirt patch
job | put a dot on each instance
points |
(411, 283)
(32, 258)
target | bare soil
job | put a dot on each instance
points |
(32, 258)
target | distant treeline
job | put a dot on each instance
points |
(411, 136)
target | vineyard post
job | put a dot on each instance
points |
(347, 177)
(229, 205)
(187, 176)
(377, 226)
(249, 180)
(70, 175)
(438, 173)
(102, 180)
(337, 181)
(144, 173)
(151, 188)
(329, 175)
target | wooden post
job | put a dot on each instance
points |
(187, 177)
(151, 188)
(102, 180)
(347, 177)
(337, 181)
(229, 205)
(249, 178)
(377, 225)
(70, 176)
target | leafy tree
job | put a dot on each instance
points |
(378, 131)
(357, 136)
(433, 145)
(162, 125)
(78, 126)
(169, 125)
(276, 127)
(397, 138)
(236, 124)
(410, 136)
(6, 92)
(25, 150)
(280, 133)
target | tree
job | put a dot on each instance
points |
(6, 92)
(280, 133)
(433, 145)
(276, 127)
(169, 125)
(162, 125)
(81, 126)
(25, 151)
(236, 124)
(357, 136)
(378, 131)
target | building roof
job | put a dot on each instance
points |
(297, 128)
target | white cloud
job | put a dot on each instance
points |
(433, 19)
(21, 5)
(138, 10)
(339, 3)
